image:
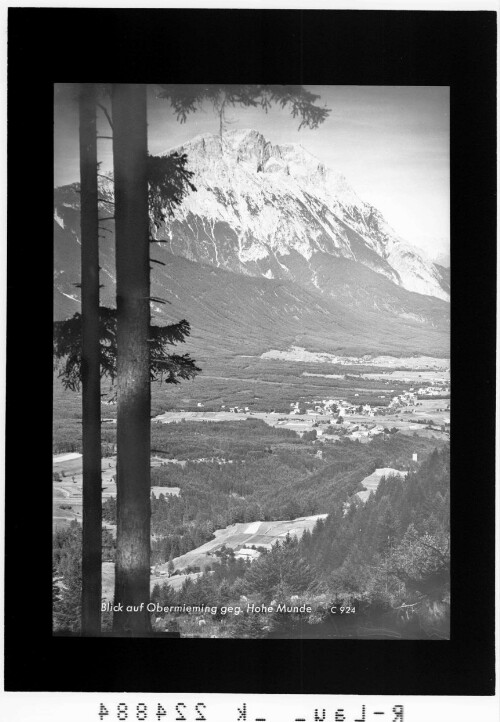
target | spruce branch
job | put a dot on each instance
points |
(171, 368)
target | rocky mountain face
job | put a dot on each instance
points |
(277, 211)
(272, 249)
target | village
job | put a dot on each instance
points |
(405, 401)
(423, 410)
(411, 410)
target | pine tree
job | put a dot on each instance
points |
(91, 389)
(248, 626)
(68, 608)
(133, 313)
(281, 571)
(67, 604)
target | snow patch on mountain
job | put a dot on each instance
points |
(414, 270)
(256, 201)
(58, 218)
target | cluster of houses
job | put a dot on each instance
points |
(427, 391)
(326, 407)
(349, 429)
(360, 431)
(407, 398)
(247, 553)
(341, 408)
(335, 408)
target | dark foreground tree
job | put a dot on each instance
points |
(164, 366)
(67, 570)
(90, 372)
(130, 160)
(187, 99)
(133, 536)
(281, 572)
(168, 180)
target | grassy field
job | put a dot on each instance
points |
(67, 487)
(108, 580)
(372, 481)
(258, 533)
(237, 535)
(262, 385)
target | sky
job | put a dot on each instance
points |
(391, 143)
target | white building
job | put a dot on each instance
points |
(247, 554)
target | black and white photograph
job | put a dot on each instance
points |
(252, 361)
(249, 253)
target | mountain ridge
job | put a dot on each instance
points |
(327, 290)
(257, 201)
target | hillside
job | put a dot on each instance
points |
(232, 313)
(258, 207)
(272, 250)
(258, 534)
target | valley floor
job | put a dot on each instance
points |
(231, 475)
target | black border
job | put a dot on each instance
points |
(307, 47)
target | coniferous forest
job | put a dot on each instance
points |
(387, 558)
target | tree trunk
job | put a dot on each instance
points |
(132, 564)
(91, 388)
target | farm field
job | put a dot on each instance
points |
(272, 418)
(372, 481)
(295, 353)
(67, 492)
(258, 533)
(263, 385)
(108, 580)
(409, 420)
(418, 377)
(404, 420)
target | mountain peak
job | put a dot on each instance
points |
(250, 148)
(240, 135)
(259, 203)
(274, 210)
